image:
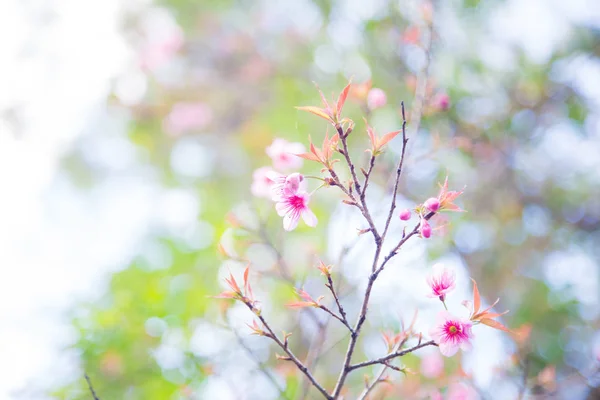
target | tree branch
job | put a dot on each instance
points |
(292, 357)
(89, 383)
(391, 356)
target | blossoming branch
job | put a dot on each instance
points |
(287, 188)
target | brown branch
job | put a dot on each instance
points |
(391, 356)
(89, 383)
(292, 357)
(398, 174)
(261, 366)
(364, 208)
(329, 285)
(334, 315)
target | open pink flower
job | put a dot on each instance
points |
(285, 185)
(451, 333)
(442, 280)
(292, 207)
(262, 182)
(283, 154)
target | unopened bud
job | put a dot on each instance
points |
(425, 229)
(376, 98)
(405, 214)
(432, 204)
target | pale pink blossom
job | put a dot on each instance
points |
(161, 48)
(261, 182)
(292, 207)
(432, 204)
(376, 98)
(441, 101)
(285, 185)
(283, 154)
(460, 391)
(432, 365)
(442, 280)
(187, 117)
(425, 229)
(451, 333)
(405, 214)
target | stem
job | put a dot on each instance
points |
(359, 190)
(89, 383)
(337, 301)
(291, 355)
(398, 174)
(334, 315)
(391, 356)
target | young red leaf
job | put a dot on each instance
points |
(308, 156)
(476, 298)
(387, 137)
(495, 325)
(301, 304)
(317, 111)
(226, 295)
(246, 286)
(342, 99)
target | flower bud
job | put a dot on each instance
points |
(425, 229)
(441, 102)
(432, 204)
(376, 98)
(405, 214)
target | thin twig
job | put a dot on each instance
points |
(261, 366)
(89, 383)
(334, 315)
(398, 174)
(359, 190)
(292, 356)
(391, 356)
(329, 285)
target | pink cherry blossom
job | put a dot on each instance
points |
(292, 207)
(432, 204)
(432, 365)
(442, 280)
(187, 117)
(460, 391)
(451, 333)
(285, 185)
(376, 98)
(405, 214)
(283, 154)
(261, 183)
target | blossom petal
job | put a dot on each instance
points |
(309, 217)
(448, 349)
(290, 221)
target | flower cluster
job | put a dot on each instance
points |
(450, 332)
(286, 188)
(287, 191)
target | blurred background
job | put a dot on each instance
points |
(129, 131)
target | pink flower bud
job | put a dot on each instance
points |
(405, 214)
(441, 102)
(425, 229)
(432, 204)
(376, 98)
